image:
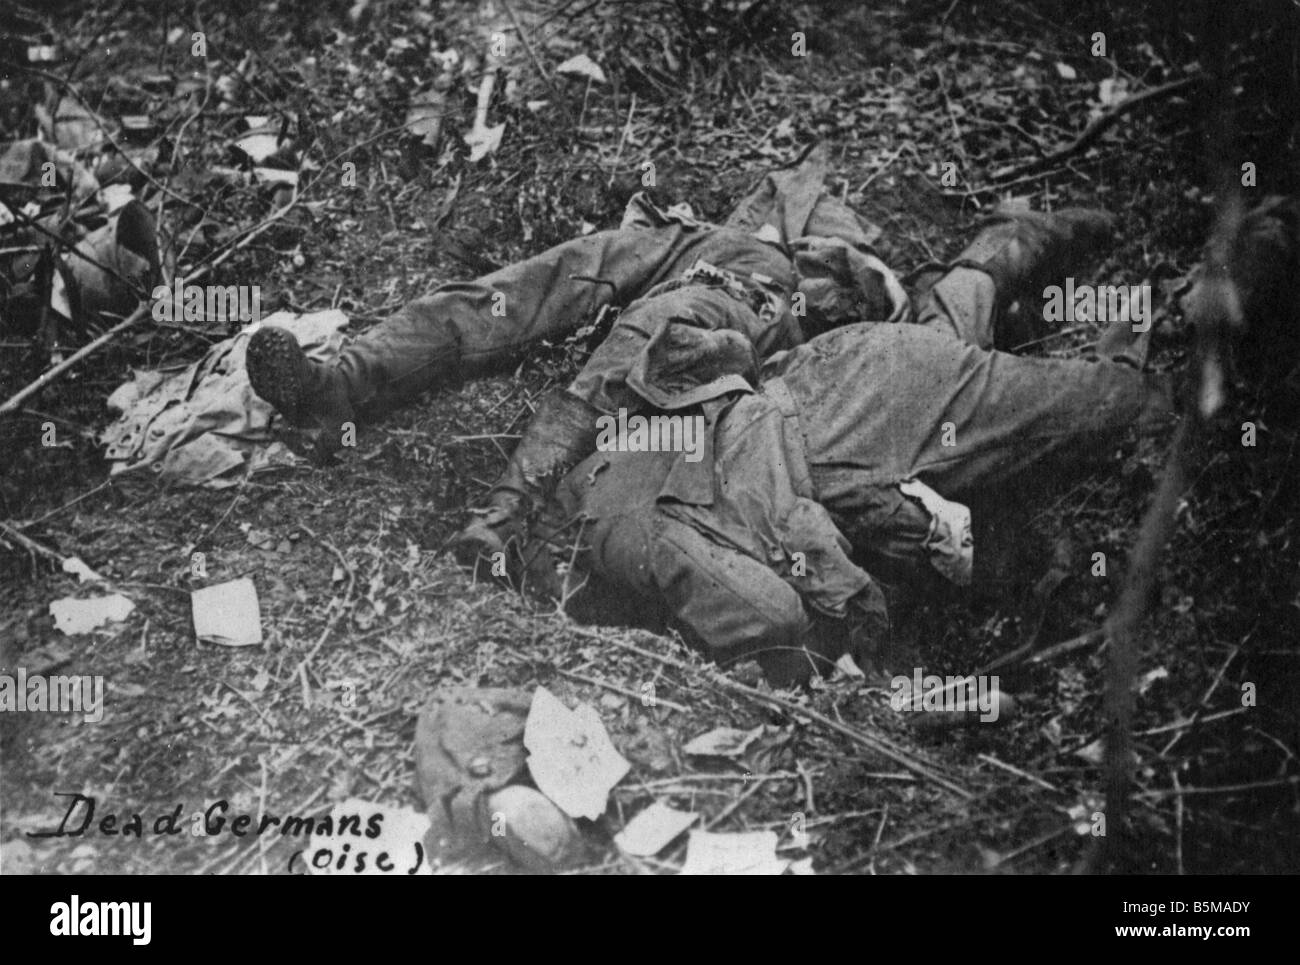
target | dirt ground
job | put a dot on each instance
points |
(357, 596)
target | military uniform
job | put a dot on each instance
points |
(867, 442)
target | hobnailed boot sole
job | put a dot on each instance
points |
(307, 394)
(280, 373)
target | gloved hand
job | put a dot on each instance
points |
(498, 528)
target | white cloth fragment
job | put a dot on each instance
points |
(199, 426)
(950, 542)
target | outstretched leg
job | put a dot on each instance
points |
(466, 329)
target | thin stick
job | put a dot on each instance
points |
(627, 129)
(1011, 769)
(1097, 128)
(1215, 307)
(7, 533)
(343, 606)
(135, 318)
(1292, 781)
(876, 744)
(617, 689)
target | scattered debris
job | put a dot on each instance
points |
(483, 140)
(83, 573)
(228, 614)
(1150, 677)
(73, 616)
(259, 143)
(723, 742)
(746, 853)
(571, 757)
(424, 116)
(582, 66)
(653, 829)
(201, 426)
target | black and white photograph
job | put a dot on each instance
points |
(651, 437)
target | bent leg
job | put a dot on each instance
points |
(962, 305)
(880, 404)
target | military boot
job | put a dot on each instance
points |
(1024, 252)
(308, 394)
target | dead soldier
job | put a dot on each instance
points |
(791, 262)
(854, 457)
(800, 260)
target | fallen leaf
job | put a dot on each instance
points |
(424, 116)
(258, 147)
(571, 757)
(72, 127)
(1094, 753)
(582, 66)
(846, 666)
(115, 196)
(1149, 678)
(1112, 91)
(84, 574)
(653, 829)
(258, 538)
(81, 616)
(747, 853)
(723, 742)
(1066, 72)
(276, 176)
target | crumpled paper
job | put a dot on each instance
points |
(228, 614)
(202, 426)
(570, 755)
